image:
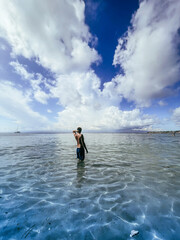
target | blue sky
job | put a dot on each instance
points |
(102, 65)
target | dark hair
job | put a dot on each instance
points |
(79, 129)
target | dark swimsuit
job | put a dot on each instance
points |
(80, 153)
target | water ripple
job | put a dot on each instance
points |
(128, 181)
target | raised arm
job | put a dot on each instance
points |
(74, 132)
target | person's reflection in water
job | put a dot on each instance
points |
(81, 171)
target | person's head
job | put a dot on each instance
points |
(79, 129)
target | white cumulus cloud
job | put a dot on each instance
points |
(35, 80)
(148, 53)
(107, 118)
(77, 89)
(176, 116)
(53, 33)
(15, 105)
(21, 70)
(86, 105)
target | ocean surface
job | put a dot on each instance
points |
(127, 182)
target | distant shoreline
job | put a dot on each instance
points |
(69, 132)
(163, 132)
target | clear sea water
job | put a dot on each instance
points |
(127, 182)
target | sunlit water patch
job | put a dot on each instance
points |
(127, 182)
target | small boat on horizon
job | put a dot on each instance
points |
(17, 132)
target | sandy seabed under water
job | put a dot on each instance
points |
(127, 182)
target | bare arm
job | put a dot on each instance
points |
(75, 135)
(74, 132)
(83, 143)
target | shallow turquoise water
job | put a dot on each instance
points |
(127, 182)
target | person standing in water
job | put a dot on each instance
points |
(81, 146)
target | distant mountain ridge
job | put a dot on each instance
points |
(163, 132)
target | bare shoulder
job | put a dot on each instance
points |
(78, 135)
